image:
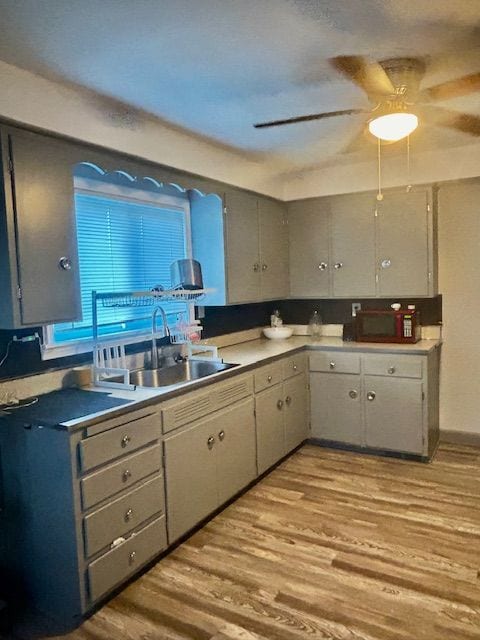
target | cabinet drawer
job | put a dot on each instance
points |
(120, 475)
(121, 562)
(119, 441)
(396, 366)
(294, 365)
(335, 362)
(268, 376)
(119, 517)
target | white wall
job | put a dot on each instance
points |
(33, 100)
(459, 279)
(432, 166)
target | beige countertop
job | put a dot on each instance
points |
(247, 355)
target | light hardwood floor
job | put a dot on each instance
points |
(329, 545)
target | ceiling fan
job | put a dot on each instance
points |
(393, 88)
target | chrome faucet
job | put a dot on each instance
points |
(166, 333)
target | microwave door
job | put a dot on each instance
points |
(379, 326)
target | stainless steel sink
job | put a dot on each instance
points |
(177, 373)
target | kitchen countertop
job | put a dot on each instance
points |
(247, 355)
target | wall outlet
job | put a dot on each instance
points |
(356, 306)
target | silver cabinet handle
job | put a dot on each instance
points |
(288, 401)
(128, 515)
(386, 263)
(323, 266)
(338, 265)
(210, 442)
(221, 435)
(65, 263)
(371, 396)
(391, 370)
(125, 441)
(269, 378)
(264, 267)
(294, 366)
(280, 405)
(256, 267)
(132, 557)
(126, 475)
(353, 394)
(332, 365)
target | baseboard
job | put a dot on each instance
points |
(460, 437)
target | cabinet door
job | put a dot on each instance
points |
(394, 414)
(273, 249)
(243, 259)
(46, 233)
(269, 409)
(308, 229)
(352, 223)
(403, 244)
(336, 412)
(296, 411)
(236, 449)
(191, 477)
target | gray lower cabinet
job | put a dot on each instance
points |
(281, 410)
(207, 463)
(394, 414)
(380, 401)
(336, 407)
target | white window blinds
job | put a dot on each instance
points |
(124, 244)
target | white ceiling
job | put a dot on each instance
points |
(214, 67)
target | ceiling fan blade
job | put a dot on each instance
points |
(453, 88)
(369, 76)
(465, 122)
(314, 116)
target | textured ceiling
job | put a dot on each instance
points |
(214, 67)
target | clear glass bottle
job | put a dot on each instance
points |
(315, 326)
(275, 319)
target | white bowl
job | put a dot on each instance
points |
(278, 333)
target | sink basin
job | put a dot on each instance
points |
(177, 373)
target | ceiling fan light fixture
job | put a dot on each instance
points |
(393, 126)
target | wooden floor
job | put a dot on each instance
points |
(330, 545)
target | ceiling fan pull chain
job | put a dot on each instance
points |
(409, 182)
(379, 158)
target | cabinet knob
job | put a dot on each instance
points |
(210, 442)
(323, 266)
(294, 366)
(221, 435)
(65, 263)
(332, 365)
(288, 400)
(126, 475)
(128, 515)
(264, 267)
(391, 370)
(256, 267)
(280, 405)
(371, 396)
(353, 394)
(125, 441)
(386, 263)
(269, 378)
(132, 557)
(338, 265)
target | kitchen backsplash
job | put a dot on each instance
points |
(24, 357)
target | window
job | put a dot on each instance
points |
(127, 239)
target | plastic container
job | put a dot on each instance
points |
(315, 326)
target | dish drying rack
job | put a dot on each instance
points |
(109, 357)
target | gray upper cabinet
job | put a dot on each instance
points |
(38, 260)
(403, 249)
(273, 240)
(308, 228)
(353, 246)
(352, 227)
(243, 252)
